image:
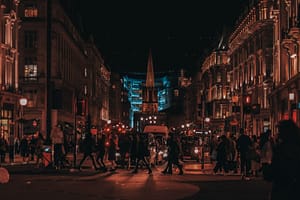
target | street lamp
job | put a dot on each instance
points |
(22, 102)
(205, 120)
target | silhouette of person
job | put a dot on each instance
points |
(101, 151)
(88, 147)
(174, 151)
(284, 170)
(243, 146)
(141, 152)
(57, 137)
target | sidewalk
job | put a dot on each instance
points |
(21, 167)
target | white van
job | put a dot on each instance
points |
(157, 129)
(157, 138)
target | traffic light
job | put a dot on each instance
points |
(247, 100)
(247, 104)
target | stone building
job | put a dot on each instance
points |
(10, 108)
(262, 73)
(61, 72)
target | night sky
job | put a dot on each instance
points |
(179, 33)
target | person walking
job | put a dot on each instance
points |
(222, 155)
(24, 149)
(112, 150)
(284, 171)
(243, 144)
(168, 169)
(100, 150)
(174, 152)
(233, 154)
(39, 150)
(57, 137)
(266, 150)
(32, 145)
(88, 146)
(141, 153)
(254, 153)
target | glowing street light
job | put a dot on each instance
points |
(22, 102)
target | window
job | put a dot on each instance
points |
(30, 10)
(228, 77)
(30, 69)
(219, 77)
(85, 72)
(30, 39)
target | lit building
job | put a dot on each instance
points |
(61, 72)
(250, 51)
(148, 95)
(285, 96)
(9, 83)
(214, 94)
(262, 75)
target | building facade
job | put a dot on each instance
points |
(285, 96)
(261, 80)
(214, 96)
(62, 74)
(10, 108)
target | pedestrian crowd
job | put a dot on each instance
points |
(242, 154)
(126, 151)
(273, 156)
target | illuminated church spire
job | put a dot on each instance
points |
(150, 73)
(150, 104)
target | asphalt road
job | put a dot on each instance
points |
(124, 185)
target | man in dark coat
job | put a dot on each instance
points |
(243, 146)
(88, 149)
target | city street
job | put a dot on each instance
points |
(122, 184)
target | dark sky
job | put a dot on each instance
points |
(178, 32)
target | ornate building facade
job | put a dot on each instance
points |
(285, 97)
(261, 67)
(9, 82)
(214, 94)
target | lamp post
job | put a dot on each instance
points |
(205, 120)
(290, 109)
(75, 132)
(22, 102)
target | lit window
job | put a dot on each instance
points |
(219, 78)
(30, 69)
(228, 77)
(31, 11)
(85, 72)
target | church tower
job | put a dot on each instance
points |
(150, 103)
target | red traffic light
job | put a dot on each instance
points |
(34, 123)
(247, 99)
